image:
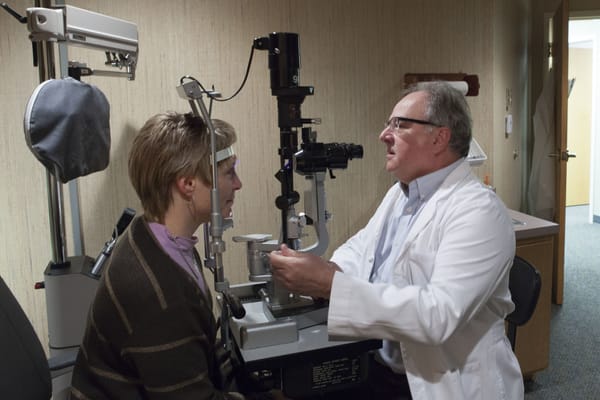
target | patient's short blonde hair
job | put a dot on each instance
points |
(169, 146)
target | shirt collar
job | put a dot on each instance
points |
(424, 186)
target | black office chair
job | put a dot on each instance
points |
(525, 283)
(25, 372)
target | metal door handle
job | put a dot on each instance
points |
(563, 155)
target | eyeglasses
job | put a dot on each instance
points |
(394, 122)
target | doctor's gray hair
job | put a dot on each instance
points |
(448, 107)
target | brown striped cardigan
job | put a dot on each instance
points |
(150, 333)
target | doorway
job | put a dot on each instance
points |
(583, 130)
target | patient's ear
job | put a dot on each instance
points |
(185, 186)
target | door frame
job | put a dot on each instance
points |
(560, 54)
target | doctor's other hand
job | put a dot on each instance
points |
(302, 273)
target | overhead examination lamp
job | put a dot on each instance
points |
(75, 26)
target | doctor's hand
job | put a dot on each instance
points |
(302, 273)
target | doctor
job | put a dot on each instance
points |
(429, 272)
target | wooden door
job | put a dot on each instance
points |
(560, 47)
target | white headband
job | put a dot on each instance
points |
(225, 153)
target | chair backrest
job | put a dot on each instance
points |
(525, 283)
(24, 372)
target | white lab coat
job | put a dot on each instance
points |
(449, 296)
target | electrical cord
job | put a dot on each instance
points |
(211, 96)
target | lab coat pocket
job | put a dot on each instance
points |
(472, 381)
(458, 384)
(416, 269)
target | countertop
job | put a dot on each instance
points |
(528, 226)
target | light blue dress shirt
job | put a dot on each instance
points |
(401, 219)
(404, 213)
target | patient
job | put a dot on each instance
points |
(151, 333)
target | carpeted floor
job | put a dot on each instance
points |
(574, 371)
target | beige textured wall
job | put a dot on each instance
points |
(355, 55)
(24, 244)
(510, 94)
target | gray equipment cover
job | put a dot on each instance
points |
(67, 127)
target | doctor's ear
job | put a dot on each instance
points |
(442, 137)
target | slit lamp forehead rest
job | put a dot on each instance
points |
(225, 153)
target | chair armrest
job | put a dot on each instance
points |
(63, 360)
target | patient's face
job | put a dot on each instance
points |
(229, 182)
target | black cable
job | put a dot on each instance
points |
(12, 12)
(236, 92)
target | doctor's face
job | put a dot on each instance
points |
(409, 139)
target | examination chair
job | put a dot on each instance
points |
(524, 283)
(24, 369)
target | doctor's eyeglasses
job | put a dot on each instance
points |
(395, 122)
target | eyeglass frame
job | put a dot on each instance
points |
(394, 122)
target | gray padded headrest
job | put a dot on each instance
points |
(67, 127)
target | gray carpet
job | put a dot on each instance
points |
(574, 371)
